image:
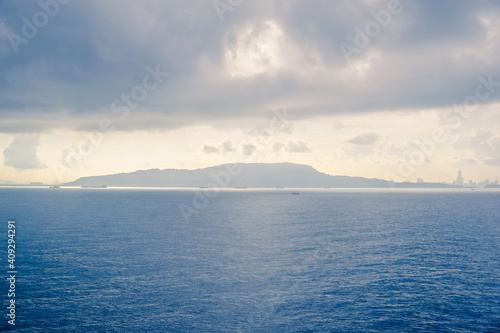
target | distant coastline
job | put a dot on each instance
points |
(245, 175)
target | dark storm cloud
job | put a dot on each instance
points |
(92, 53)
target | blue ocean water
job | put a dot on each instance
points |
(253, 261)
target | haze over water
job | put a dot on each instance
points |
(256, 261)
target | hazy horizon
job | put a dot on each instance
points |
(243, 168)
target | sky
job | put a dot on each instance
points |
(382, 89)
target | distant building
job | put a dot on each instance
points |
(483, 183)
(459, 181)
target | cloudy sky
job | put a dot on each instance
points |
(385, 89)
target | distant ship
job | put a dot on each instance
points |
(94, 186)
(55, 186)
(295, 193)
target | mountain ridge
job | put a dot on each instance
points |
(266, 175)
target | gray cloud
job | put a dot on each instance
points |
(468, 161)
(224, 147)
(482, 142)
(21, 153)
(211, 149)
(278, 146)
(365, 139)
(416, 62)
(248, 149)
(291, 147)
(297, 147)
(227, 146)
(493, 161)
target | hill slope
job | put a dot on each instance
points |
(237, 175)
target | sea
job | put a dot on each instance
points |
(251, 260)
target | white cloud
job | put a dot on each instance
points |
(278, 146)
(22, 152)
(365, 139)
(227, 146)
(257, 49)
(483, 143)
(248, 149)
(297, 147)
